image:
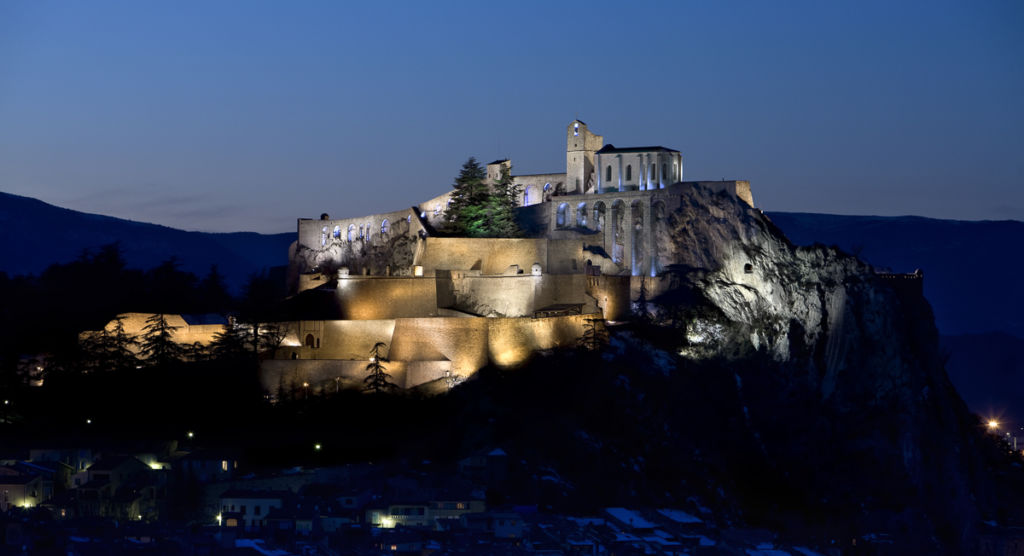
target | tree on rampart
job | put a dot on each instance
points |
(502, 206)
(109, 350)
(466, 214)
(158, 345)
(477, 210)
(378, 380)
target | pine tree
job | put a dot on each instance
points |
(109, 350)
(158, 345)
(595, 335)
(502, 206)
(466, 214)
(231, 344)
(377, 380)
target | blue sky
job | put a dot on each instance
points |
(245, 115)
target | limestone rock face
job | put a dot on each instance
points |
(816, 329)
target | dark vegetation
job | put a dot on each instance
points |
(479, 210)
(627, 424)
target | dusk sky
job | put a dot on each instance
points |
(231, 116)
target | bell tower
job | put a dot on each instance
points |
(580, 146)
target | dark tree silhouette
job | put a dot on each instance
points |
(157, 343)
(110, 350)
(378, 380)
(595, 335)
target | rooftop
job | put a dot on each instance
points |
(609, 148)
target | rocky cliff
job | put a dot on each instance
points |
(838, 372)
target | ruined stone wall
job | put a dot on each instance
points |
(533, 191)
(378, 244)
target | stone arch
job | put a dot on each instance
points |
(599, 215)
(367, 238)
(562, 215)
(337, 232)
(385, 227)
(323, 236)
(581, 215)
(636, 238)
(618, 230)
(351, 231)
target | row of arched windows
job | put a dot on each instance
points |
(353, 233)
(629, 172)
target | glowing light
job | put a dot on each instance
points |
(219, 519)
(317, 447)
(191, 434)
(26, 504)
(305, 385)
(88, 421)
(387, 522)
(7, 402)
(993, 424)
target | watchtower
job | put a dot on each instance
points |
(580, 146)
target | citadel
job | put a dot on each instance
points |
(592, 238)
(448, 306)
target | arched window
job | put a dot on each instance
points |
(560, 218)
(663, 172)
(367, 231)
(323, 236)
(526, 196)
(653, 169)
(384, 226)
(408, 219)
(608, 173)
(360, 232)
(599, 216)
(337, 232)
(581, 214)
(310, 342)
(351, 231)
(629, 172)
(547, 186)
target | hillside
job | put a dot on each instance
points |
(34, 235)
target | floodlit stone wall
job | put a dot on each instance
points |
(379, 297)
(420, 349)
(183, 333)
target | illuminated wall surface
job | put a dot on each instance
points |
(183, 333)
(421, 349)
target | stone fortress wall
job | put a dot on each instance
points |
(448, 306)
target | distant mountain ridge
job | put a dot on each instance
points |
(35, 235)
